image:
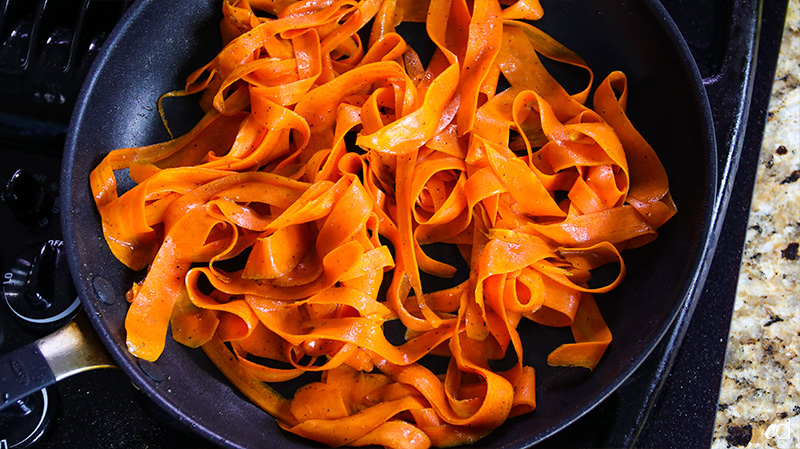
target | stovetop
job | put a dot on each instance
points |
(670, 401)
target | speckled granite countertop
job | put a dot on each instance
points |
(759, 403)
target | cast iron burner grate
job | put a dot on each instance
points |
(48, 48)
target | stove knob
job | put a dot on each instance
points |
(38, 288)
(28, 199)
(24, 423)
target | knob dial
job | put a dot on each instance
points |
(23, 424)
(29, 200)
(38, 288)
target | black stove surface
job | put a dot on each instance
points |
(670, 402)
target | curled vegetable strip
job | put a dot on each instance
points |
(266, 234)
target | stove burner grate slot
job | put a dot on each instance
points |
(46, 50)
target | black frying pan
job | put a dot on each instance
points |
(158, 43)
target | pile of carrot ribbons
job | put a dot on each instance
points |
(534, 188)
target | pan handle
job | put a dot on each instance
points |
(73, 349)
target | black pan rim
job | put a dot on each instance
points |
(699, 263)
